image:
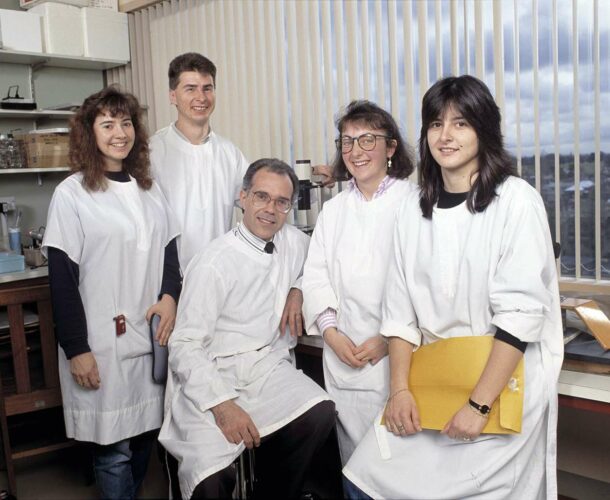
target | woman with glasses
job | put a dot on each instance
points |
(113, 263)
(472, 261)
(345, 268)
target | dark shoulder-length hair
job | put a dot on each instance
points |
(84, 155)
(371, 115)
(471, 98)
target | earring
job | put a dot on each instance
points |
(389, 165)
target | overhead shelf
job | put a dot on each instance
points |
(34, 58)
(35, 113)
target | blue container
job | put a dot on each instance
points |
(10, 262)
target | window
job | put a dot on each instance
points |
(287, 67)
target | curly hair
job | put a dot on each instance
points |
(473, 100)
(368, 113)
(84, 155)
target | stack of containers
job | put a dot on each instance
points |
(61, 28)
(20, 31)
(90, 28)
(105, 33)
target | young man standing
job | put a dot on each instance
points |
(199, 171)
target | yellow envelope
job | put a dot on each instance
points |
(443, 375)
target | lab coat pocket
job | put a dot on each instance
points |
(134, 342)
(491, 477)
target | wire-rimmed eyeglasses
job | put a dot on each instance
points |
(366, 142)
(261, 199)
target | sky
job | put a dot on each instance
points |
(568, 114)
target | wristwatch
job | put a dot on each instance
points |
(482, 409)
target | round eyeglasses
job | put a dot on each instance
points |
(260, 199)
(366, 142)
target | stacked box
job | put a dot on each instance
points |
(20, 31)
(62, 29)
(105, 4)
(46, 150)
(105, 33)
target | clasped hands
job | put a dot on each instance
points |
(356, 356)
(402, 418)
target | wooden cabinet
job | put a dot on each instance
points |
(29, 379)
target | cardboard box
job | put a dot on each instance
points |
(105, 4)
(105, 33)
(46, 150)
(20, 31)
(61, 27)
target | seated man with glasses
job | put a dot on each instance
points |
(232, 383)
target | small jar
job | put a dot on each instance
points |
(4, 151)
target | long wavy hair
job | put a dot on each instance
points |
(371, 115)
(471, 98)
(84, 155)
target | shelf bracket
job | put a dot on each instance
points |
(37, 65)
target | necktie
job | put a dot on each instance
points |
(269, 247)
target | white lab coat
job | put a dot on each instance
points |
(345, 270)
(464, 274)
(201, 183)
(117, 237)
(226, 345)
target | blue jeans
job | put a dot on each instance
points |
(120, 467)
(352, 492)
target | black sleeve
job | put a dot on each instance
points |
(171, 283)
(68, 310)
(504, 336)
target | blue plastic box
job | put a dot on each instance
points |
(11, 262)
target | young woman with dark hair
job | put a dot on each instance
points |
(345, 268)
(113, 263)
(472, 257)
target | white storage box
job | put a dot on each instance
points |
(105, 33)
(62, 29)
(26, 4)
(20, 31)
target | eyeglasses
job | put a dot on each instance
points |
(366, 142)
(261, 199)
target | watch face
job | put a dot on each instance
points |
(485, 409)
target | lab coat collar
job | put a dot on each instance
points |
(182, 136)
(244, 234)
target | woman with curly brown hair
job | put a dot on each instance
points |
(113, 263)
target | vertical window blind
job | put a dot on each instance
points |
(286, 68)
